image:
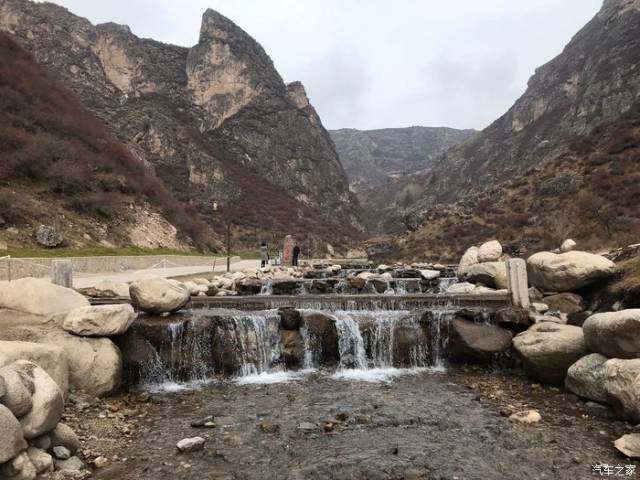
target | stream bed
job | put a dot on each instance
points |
(417, 425)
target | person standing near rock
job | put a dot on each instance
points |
(296, 254)
(264, 254)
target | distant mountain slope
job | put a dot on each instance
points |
(61, 166)
(595, 79)
(216, 122)
(371, 157)
(384, 168)
(590, 193)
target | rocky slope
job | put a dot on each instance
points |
(384, 167)
(216, 122)
(371, 157)
(594, 80)
(561, 161)
(61, 168)
(589, 193)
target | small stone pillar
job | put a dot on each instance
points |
(287, 251)
(518, 282)
(62, 273)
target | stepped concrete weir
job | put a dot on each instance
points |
(485, 302)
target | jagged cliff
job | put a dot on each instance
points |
(216, 122)
(595, 79)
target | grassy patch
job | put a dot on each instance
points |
(97, 251)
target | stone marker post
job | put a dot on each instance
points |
(287, 251)
(62, 273)
(518, 282)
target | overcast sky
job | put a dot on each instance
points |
(381, 63)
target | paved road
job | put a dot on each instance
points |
(85, 281)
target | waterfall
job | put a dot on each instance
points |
(350, 342)
(254, 339)
(267, 288)
(444, 283)
(439, 330)
(311, 349)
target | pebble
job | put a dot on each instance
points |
(61, 453)
(526, 417)
(100, 462)
(191, 444)
(269, 427)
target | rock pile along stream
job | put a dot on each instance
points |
(384, 384)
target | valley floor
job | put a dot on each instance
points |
(429, 425)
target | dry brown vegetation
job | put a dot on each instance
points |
(591, 194)
(57, 155)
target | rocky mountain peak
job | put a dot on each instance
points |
(298, 94)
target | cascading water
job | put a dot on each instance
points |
(439, 330)
(350, 342)
(444, 283)
(267, 288)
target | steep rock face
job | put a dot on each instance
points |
(383, 167)
(594, 80)
(371, 157)
(216, 121)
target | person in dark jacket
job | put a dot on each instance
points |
(296, 254)
(264, 255)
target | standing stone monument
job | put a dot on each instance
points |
(518, 282)
(287, 251)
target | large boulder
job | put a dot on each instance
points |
(491, 274)
(94, 364)
(614, 334)
(48, 236)
(548, 350)
(12, 440)
(585, 378)
(64, 436)
(40, 297)
(50, 357)
(100, 321)
(565, 303)
(565, 272)
(111, 288)
(18, 391)
(621, 382)
(470, 341)
(48, 403)
(157, 295)
(469, 258)
(490, 251)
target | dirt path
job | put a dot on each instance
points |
(446, 426)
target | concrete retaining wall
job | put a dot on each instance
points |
(41, 267)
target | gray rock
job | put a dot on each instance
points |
(40, 459)
(621, 381)
(47, 402)
(100, 321)
(12, 440)
(614, 334)
(548, 350)
(19, 388)
(568, 271)
(490, 251)
(191, 444)
(64, 436)
(157, 295)
(19, 468)
(61, 453)
(565, 303)
(629, 445)
(48, 236)
(73, 464)
(491, 274)
(469, 341)
(50, 357)
(40, 297)
(585, 378)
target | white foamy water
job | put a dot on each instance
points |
(375, 375)
(266, 378)
(173, 387)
